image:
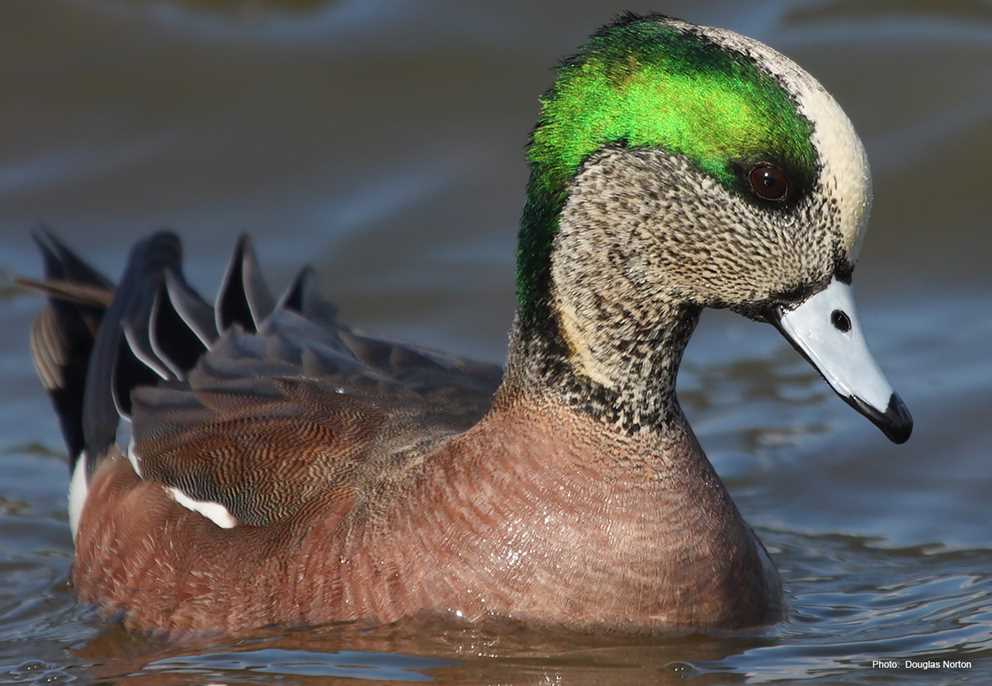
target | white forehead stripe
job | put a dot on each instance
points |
(845, 171)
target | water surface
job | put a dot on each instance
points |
(383, 142)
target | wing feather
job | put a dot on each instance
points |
(255, 405)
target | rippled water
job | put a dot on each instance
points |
(383, 141)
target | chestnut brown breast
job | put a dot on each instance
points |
(548, 526)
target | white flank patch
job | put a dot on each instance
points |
(78, 490)
(215, 512)
(133, 458)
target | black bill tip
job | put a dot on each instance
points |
(896, 422)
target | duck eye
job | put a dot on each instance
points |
(769, 182)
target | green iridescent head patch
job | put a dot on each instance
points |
(641, 82)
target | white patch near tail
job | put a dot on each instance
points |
(215, 512)
(78, 490)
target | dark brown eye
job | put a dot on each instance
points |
(769, 182)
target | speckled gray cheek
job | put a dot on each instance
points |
(645, 241)
(705, 242)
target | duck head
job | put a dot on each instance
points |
(676, 167)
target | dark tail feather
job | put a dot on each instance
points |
(297, 295)
(244, 297)
(93, 344)
(303, 297)
(115, 369)
(63, 335)
(172, 340)
(196, 313)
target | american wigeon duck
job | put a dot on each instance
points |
(277, 467)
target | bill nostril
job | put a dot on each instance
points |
(840, 320)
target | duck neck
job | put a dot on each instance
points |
(622, 376)
(589, 329)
